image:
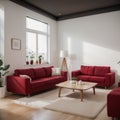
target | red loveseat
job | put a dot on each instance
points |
(41, 79)
(99, 74)
(113, 103)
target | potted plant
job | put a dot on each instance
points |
(27, 62)
(32, 56)
(118, 62)
(3, 72)
(73, 80)
(40, 58)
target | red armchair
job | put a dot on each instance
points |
(113, 103)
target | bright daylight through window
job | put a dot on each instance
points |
(36, 41)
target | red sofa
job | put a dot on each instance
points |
(113, 103)
(41, 79)
(99, 74)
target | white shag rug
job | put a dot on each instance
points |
(90, 107)
(69, 102)
(40, 100)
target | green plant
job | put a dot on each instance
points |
(40, 56)
(32, 55)
(27, 57)
(3, 70)
(118, 62)
(74, 78)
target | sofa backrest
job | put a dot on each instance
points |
(94, 70)
(48, 71)
(87, 70)
(28, 72)
(35, 73)
(39, 73)
(101, 70)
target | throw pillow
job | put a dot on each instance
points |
(56, 71)
(26, 76)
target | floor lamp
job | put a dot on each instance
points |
(63, 54)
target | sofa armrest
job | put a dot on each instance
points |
(110, 78)
(75, 73)
(64, 73)
(18, 85)
(113, 103)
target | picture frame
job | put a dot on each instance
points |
(16, 44)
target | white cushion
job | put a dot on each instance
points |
(26, 76)
(56, 71)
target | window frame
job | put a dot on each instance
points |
(37, 32)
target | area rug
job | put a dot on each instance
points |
(91, 106)
(69, 102)
(40, 100)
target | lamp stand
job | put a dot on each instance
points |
(64, 65)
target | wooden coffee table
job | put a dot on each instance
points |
(76, 86)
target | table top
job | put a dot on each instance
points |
(77, 86)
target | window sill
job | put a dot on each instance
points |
(38, 65)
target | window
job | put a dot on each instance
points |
(36, 40)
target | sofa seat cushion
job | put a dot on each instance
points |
(87, 70)
(46, 81)
(58, 79)
(39, 73)
(101, 70)
(97, 79)
(28, 72)
(83, 77)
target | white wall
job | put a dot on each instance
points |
(1, 31)
(15, 27)
(92, 40)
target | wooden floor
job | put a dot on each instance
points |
(12, 111)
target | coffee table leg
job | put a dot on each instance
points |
(59, 92)
(94, 90)
(81, 95)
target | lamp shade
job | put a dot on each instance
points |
(63, 53)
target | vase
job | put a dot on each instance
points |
(27, 62)
(36, 61)
(39, 61)
(31, 62)
(72, 81)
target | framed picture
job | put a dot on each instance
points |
(15, 44)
